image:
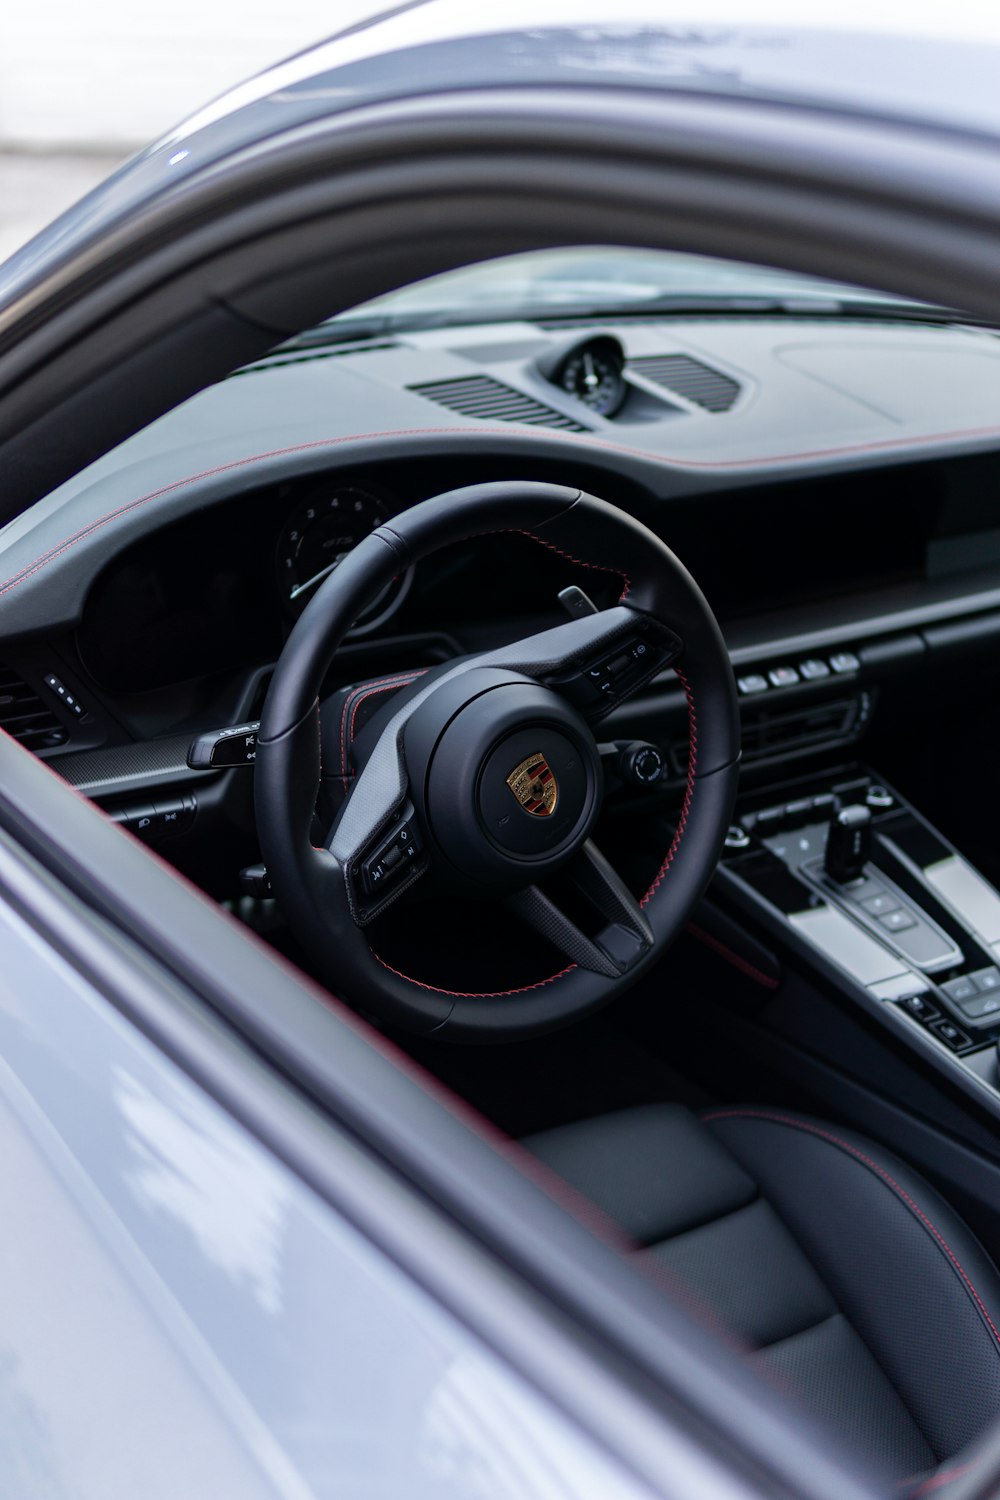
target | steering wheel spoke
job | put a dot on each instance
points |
(623, 936)
(595, 661)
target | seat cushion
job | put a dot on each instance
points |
(842, 1274)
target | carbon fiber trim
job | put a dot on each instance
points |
(121, 768)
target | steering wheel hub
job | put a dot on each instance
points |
(506, 775)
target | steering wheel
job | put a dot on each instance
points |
(484, 774)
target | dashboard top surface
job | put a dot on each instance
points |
(801, 397)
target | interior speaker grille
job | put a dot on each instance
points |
(689, 378)
(489, 400)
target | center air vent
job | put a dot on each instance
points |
(25, 717)
(489, 400)
(689, 378)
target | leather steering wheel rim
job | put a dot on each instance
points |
(318, 887)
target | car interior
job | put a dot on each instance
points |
(692, 887)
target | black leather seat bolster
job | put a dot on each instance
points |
(846, 1278)
(905, 1270)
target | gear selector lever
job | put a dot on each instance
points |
(848, 843)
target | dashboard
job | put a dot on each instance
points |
(833, 487)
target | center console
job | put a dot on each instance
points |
(842, 872)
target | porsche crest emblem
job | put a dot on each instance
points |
(534, 785)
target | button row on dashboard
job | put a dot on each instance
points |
(812, 669)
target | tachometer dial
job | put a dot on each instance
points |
(319, 536)
(594, 375)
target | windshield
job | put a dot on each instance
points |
(597, 279)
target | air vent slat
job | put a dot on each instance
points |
(25, 717)
(690, 379)
(488, 400)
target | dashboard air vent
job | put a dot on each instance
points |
(25, 717)
(689, 378)
(489, 400)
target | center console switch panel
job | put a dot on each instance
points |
(855, 877)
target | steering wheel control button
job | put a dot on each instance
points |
(754, 682)
(783, 676)
(614, 676)
(845, 661)
(395, 855)
(224, 748)
(813, 669)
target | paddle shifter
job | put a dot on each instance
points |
(848, 843)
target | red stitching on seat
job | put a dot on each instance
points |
(688, 793)
(736, 959)
(932, 1229)
(367, 690)
(943, 1476)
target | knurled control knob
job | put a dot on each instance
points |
(642, 764)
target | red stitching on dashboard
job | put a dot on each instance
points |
(568, 439)
(367, 690)
(671, 853)
(688, 791)
(932, 1229)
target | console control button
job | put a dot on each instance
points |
(962, 988)
(953, 1036)
(880, 904)
(879, 798)
(754, 682)
(920, 1007)
(813, 669)
(824, 802)
(986, 980)
(845, 661)
(981, 1007)
(783, 676)
(57, 686)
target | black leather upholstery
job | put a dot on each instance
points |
(845, 1277)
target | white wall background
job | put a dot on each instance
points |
(112, 74)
